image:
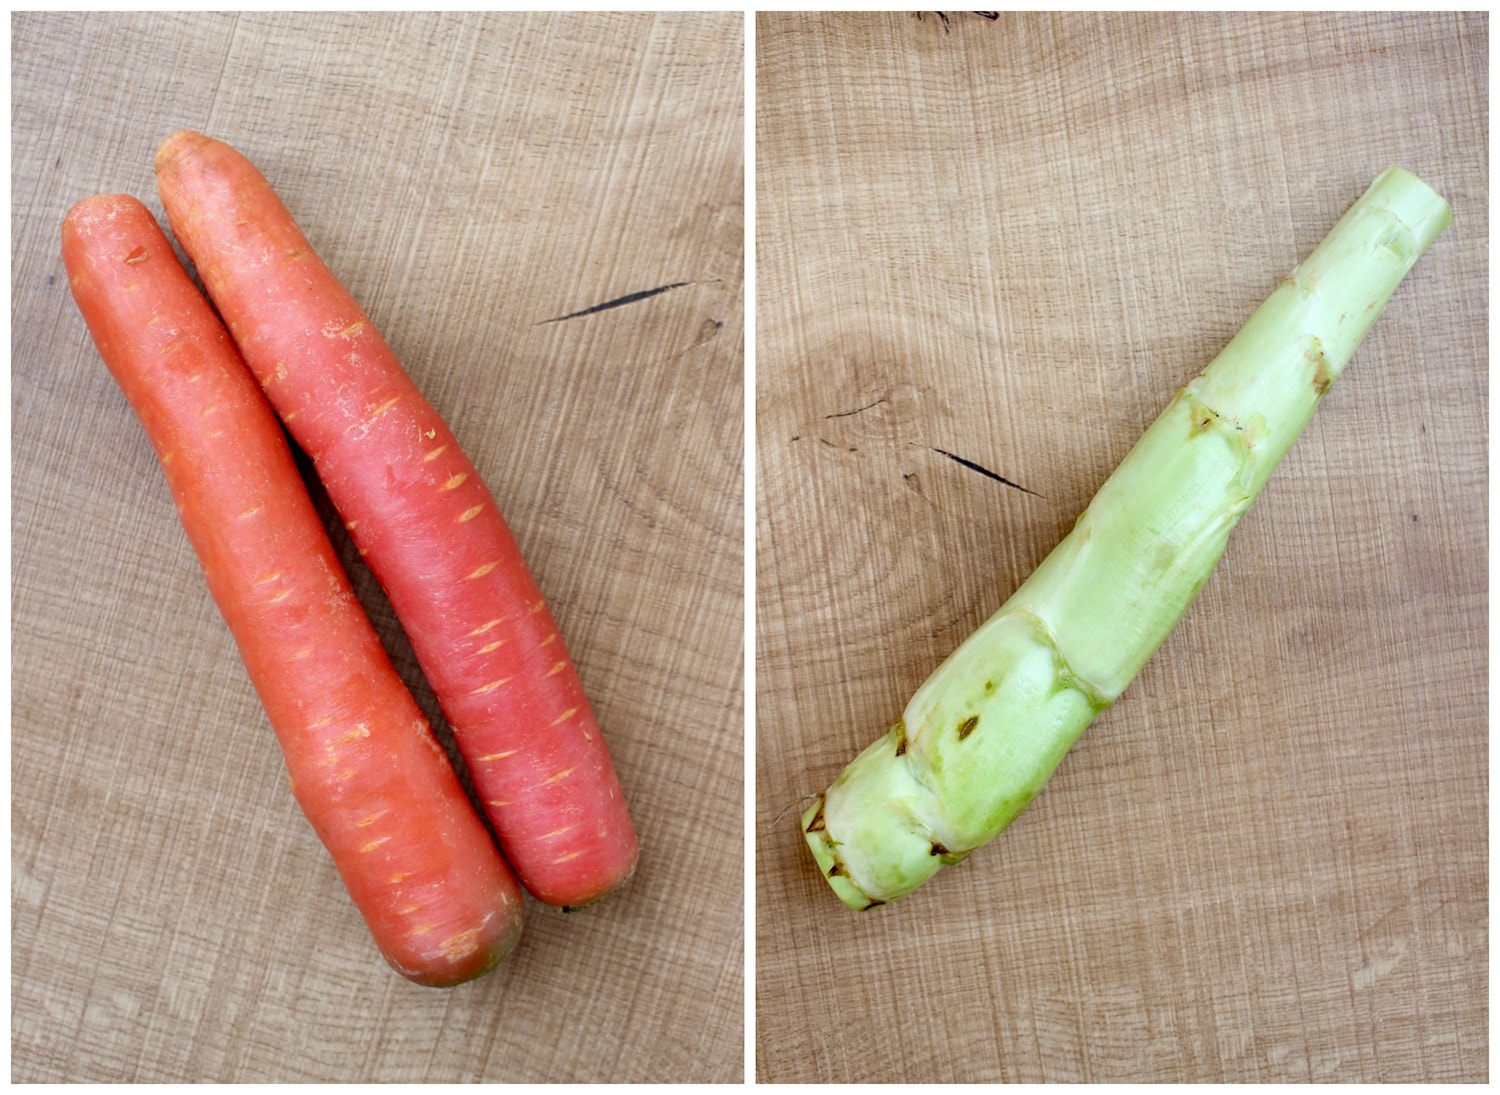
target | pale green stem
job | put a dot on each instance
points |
(982, 735)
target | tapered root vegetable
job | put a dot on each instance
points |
(365, 768)
(981, 736)
(422, 518)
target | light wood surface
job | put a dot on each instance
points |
(469, 177)
(1011, 240)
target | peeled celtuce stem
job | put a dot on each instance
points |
(983, 734)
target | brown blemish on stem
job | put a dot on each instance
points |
(1203, 417)
(817, 824)
(1322, 371)
(967, 727)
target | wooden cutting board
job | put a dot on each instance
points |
(469, 177)
(991, 249)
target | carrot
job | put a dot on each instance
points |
(422, 518)
(365, 768)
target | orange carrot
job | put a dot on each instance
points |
(422, 518)
(364, 765)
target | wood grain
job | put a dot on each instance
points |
(469, 177)
(1011, 240)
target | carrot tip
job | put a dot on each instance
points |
(178, 143)
(599, 894)
(86, 214)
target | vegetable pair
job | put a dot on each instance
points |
(441, 903)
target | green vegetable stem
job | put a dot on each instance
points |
(983, 734)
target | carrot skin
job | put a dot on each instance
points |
(365, 768)
(422, 518)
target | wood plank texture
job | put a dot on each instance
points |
(1011, 240)
(468, 176)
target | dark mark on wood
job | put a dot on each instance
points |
(707, 332)
(990, 15)
(857, 410)
(628, 298)
(984, 471)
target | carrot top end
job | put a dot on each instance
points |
(178, 145)
(101, 207)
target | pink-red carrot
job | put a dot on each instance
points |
(365, 768)
(422, 518)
